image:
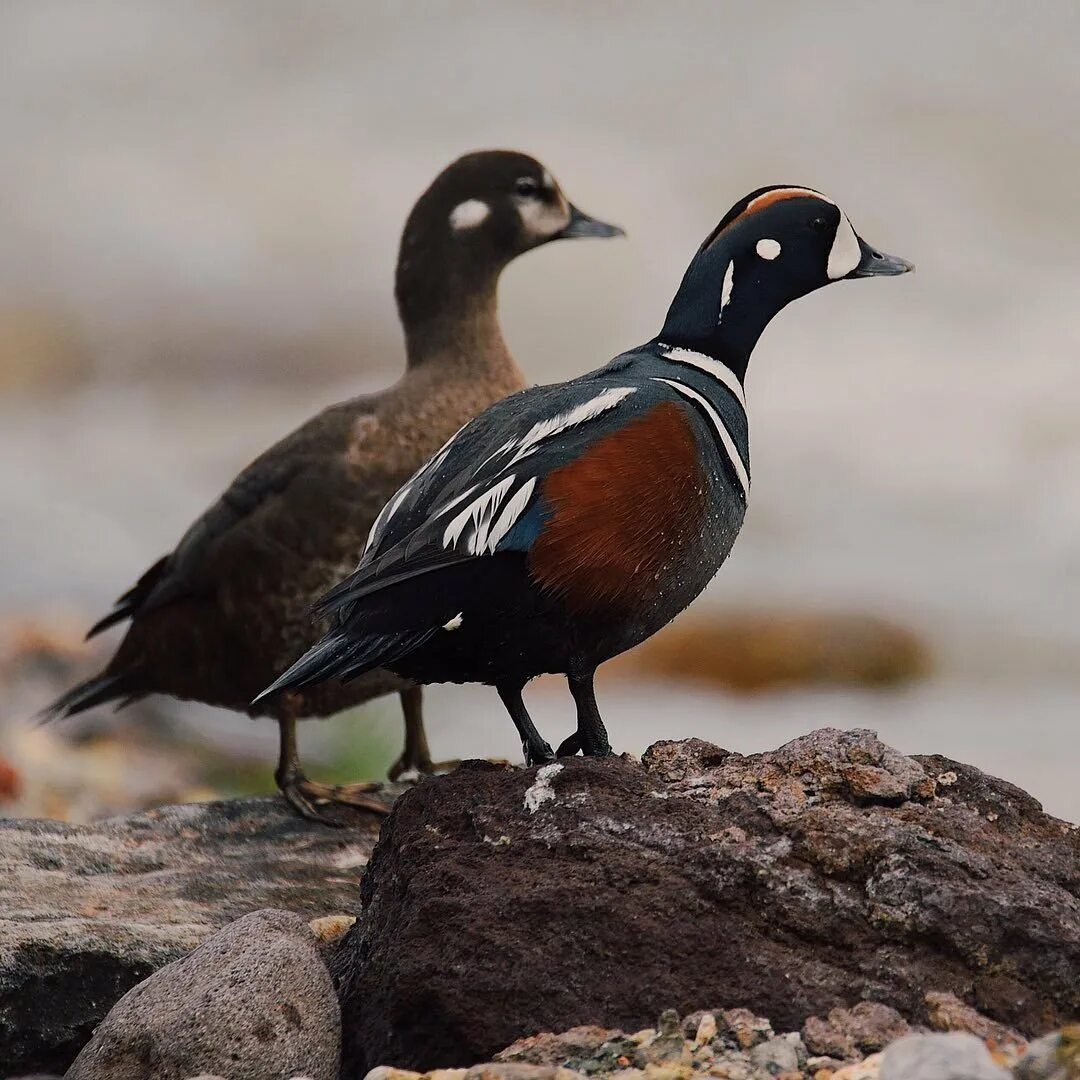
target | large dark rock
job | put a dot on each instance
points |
(88, 911)
(834, 870)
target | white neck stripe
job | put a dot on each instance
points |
(721, 429)
(719, 371)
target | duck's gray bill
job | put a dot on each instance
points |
(581, 224)
(877, 264)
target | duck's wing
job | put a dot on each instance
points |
(249, 514)
(480, 495)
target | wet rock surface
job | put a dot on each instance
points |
(822, 879)
(86, 912)
(254, 1002)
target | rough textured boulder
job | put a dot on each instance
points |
(834, 870)
(86, 912)
(253, 1002)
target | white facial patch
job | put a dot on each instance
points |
(725, 289)
(768, 249)
(539, 218)
(455, 622)
(844, 255)
(469, 214)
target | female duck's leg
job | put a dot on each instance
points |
(303, 794)
(416, 754)
(533, 745)
(591, 736)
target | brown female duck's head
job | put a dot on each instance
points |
(479, 213)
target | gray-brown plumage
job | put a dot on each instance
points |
(229, 608)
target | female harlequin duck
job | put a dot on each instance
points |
(569, 522)
(221, 615)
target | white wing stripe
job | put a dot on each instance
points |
(398, 500)
(721, 430)
(453, 502)
(439, 456)
(608, 399)
(378, 523)
(391, 508)
(513, 510)
(719, 371)
(479, 512)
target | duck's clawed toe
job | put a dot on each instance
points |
(294, 794)
(307, 796)
(537, 753)
(570, 746)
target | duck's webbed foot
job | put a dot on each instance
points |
(591, 737)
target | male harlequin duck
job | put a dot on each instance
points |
(570, 522)
(221, 615)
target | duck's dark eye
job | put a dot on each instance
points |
(527, 185)
(819, 224)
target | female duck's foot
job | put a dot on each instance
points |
(305, 796)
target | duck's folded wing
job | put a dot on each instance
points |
(481, 494)
(267, 499)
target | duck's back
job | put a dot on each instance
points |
(230, 606)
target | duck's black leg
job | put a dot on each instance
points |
(591, 735)
(416, 754)
(533, 746)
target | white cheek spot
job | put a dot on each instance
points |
(725, 290)
(469, 214)
(541, 219)
(768, 249)
(455, 622)
(844, 255)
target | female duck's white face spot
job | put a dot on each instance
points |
(768, 249)
(844, 255)
(540, 217)
(469, 214)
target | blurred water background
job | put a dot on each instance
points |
(199, 211)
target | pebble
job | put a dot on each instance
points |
(776, 1056)
(957, 1056)
(1053, 1057)
(736, 1045)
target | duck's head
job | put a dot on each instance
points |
(490, 206)
(773, 246)
(479, 213)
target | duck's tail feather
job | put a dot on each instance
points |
(131, 602)
(340, 656)
(103, 688)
